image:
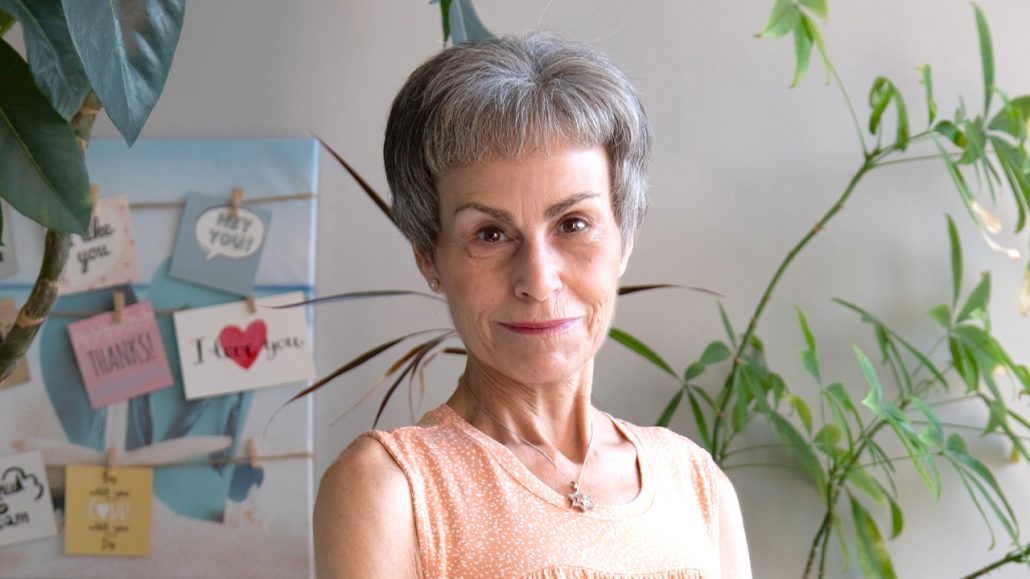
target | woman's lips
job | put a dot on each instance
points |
(538, 328)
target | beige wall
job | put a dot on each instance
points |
(744, 166)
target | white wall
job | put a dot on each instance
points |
(743, 167)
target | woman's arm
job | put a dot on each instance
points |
(364, 525)
(736, 563)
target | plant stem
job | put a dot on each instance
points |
(1013, 557)
(823, 529)
(44, 292)
(718, 425)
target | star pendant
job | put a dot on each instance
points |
(580, 501)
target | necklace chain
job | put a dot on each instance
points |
(578, 500)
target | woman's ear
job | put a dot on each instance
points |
(627, 250)
(427, 267)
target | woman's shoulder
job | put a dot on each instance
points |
(659, 439)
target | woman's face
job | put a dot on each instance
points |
(529, 256)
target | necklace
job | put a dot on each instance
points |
(577, 500)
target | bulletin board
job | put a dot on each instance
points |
(232, 488)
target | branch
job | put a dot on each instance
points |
(55, 254)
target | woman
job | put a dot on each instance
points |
(518, 167)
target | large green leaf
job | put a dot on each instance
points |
(645, 351)
(51, 54)
(714, 353)
(802, 448)
(1012, 118)
(465, 24)
(956, 262)
(873, 558)
(126, 47)
(976, 303)
(42, 171)
(783, 19)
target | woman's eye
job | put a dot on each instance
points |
(573, 225)
(491, 235)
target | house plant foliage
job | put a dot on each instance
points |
(81, 57)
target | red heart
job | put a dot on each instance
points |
(243, 346)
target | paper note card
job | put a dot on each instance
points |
(8, 314)
(118, 361)
(26, 511)
(226, 349)
(215, 249)
(8, 261)
(106, 256)
(107, 513)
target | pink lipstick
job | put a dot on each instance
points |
(540, 328)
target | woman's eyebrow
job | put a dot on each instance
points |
(551, 212)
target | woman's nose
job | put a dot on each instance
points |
(538, 269)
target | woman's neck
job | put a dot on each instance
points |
(556, 415)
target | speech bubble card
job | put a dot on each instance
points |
(215, 249)
(106, 255)
(8, 260)
(118, 361)
(26, 511)
(226, 348)
(107, 512)
(8, 314)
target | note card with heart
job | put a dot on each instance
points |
(215, 248)
(26, 511)
(120, 360)
(227, 348)
(106, 255)
(107, 512)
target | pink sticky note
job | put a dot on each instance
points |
(120, 361)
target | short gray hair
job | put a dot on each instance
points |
(505, 97)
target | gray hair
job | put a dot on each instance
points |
(506, 97)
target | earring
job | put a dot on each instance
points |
(434, 284)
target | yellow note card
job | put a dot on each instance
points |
(108, 513)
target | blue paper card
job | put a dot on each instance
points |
(216, 249)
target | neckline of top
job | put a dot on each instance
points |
(521, 473)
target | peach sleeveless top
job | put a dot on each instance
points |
(479, 512)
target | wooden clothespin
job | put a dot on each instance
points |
(251, 305)
(237, 200)
(252, 453)
(94, 191)
(112, 458)
(119, 306)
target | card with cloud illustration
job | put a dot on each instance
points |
(106, 255)
(216, 249)
(26, 511)
(226, 348)
(107, 511)
(120, 360)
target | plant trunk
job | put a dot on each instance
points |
(36, 308)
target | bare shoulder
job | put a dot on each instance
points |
(363, 519)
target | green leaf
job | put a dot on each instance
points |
(842, 543)
(714, 353)
(699, 419)
(956, 264)
(804, 414)
(941, 314)
(874, 401)
(126, 47)
(783, 19)
(43, 172)
(867, 484)
(801, 447)
(873, 558)
(465, 24)
(951, 132)
(956, 175)
(818, 7)
(995, 497)
(931, 105)
(933, 434)
(1013, 162)
(6, 22)
(806, 330)
(444, 16)
(52, 58)
(642, 349)
(1012, 118)
(897, 517)
(840, 407)
(802, 49)
(901, 131)
(965, 364)
(670, 409)
(976, 303)
(879, 97)
(828, 439)
(727, 326)
(986, 56)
